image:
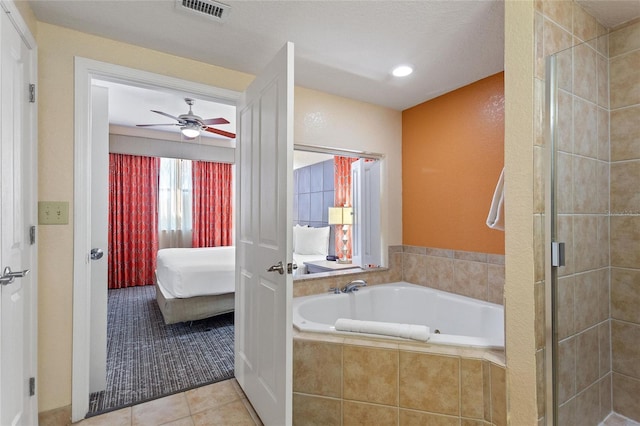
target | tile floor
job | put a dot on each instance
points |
(617, 420)
(221, 403)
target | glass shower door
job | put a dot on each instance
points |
(593, 207)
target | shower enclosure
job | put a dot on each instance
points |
(593, 231)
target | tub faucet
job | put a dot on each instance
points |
(353, 286)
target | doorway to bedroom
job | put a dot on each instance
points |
(162, 202)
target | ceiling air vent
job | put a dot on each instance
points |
(212, 9)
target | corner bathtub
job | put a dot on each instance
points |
(452, 319)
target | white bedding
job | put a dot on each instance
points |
(190, 272)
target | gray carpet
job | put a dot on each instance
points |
(147, 359)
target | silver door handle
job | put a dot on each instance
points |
(277, 267)
(96, 253)
(8, 276)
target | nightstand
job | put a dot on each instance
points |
(328, 266)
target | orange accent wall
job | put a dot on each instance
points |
(452, 156)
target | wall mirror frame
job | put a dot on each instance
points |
(314, 195)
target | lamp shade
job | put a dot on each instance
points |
(335, 215)
(340, 215)
(347, 215)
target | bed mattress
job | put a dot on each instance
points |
(191, 272)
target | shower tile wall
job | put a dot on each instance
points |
(584, 389)
(624, 66)
(583, 205)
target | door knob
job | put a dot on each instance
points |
(96, 254)
(8, 276)
(279, 267)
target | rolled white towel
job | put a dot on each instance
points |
(407, 331)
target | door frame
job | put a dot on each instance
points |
(30, 158)
(85, 71)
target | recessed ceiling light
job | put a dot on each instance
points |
(402, 71)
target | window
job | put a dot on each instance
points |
(175, 194)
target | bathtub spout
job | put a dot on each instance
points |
(353, 286)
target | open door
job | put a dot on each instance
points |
(365, 182)
(99, 237)
(18, 262)
(264, 284)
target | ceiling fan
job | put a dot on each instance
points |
(191, 125)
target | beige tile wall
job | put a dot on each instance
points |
(351, 382)
(599, 211)
(476, 275)
(624, 63)
(583, 194)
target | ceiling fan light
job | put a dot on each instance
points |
(190, 131)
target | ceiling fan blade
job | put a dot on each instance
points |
(220, 132)
(162, 124)
(212, 121)
(168, 115)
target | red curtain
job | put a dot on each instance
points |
(342, 197)
(212, 214)
(133, 220)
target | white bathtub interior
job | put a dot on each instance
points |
(452, 319)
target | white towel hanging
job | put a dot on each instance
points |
(495, 220)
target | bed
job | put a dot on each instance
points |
(309, 245)
(198, 283)
(195, 283)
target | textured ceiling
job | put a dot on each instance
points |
(346, 48)
(343, 47)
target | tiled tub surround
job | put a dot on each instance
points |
(344, 381)
(347, 381)
(471, 274)
(476, 275)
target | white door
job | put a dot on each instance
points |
(365, 191)
(17, 315)
(264, 154)
(99, 237)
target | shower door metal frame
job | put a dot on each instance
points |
(550, 232)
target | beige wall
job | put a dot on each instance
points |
(346, 123)
(326, 120)
(519, 255)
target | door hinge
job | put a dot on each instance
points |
(32, 93)
(32, 386)
(32, 235)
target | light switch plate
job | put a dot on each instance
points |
(53, 212)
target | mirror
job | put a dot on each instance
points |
(336, 210)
